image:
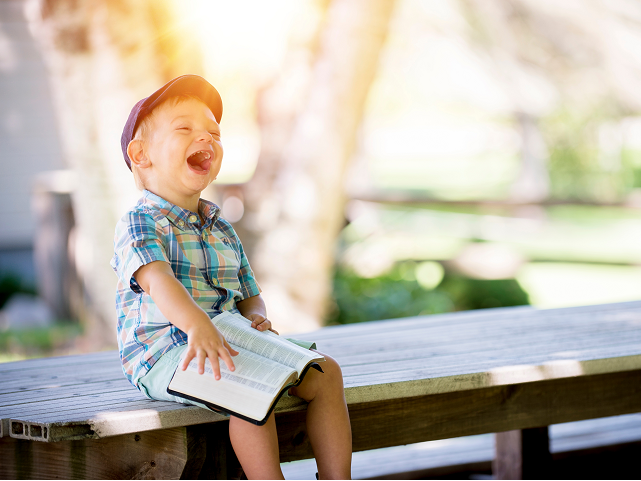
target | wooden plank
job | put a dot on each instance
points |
(88, 413)
(378, 362)
(435, 336)
(558, 331)
(502, 347)
(365, 393)
(463, 413)
(486, 361)
(462, 320)
(489, 330)
(91, 401)
(522, 454)
(34, 377)
(480, 316)
(131, 419)
(403, 459)
(372, 387)
(64, 392)
(419, 349)
(53, 371)
(150, 455)
(60, 361)
(495, 372)
(60, 381)
(449, 329)
(451, 457)
(441, 361)
(595, 432)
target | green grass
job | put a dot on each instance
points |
(18, 344)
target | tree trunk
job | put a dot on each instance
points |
(294, 204)
(103, 56)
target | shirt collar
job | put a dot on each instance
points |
(177, 215)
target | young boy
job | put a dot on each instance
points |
(179, 264)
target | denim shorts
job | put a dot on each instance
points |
(154, 383)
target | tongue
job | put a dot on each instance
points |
(200, 161)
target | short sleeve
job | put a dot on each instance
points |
(248, 285)
(139, 240)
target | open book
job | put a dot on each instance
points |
(266, 366)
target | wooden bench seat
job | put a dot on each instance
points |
(406, 381)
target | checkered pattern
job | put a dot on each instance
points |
(156, 230)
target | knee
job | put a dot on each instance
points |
(333, 373)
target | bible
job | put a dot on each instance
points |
(267, 365)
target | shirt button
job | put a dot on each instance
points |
(193, 218)
(181, 223)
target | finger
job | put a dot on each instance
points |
(226, 357)
(215, 366)
(189, 355)
(256, 320)
(202, 355)
(265, 325)
(274, 331)
(231, 350)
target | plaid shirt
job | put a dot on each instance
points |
(157, 230)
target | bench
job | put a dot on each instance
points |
(511, 371)
(602, 448)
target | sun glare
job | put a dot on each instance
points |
(244, 44)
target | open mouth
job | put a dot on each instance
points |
(200, 161)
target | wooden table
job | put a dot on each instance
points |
(512, 371)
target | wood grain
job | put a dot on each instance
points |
(150, 455)
(522, 454)
(463, 413)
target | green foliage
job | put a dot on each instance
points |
(38, 342)
(396, 294)
(469, 294)
(359, 299)
(580, 169)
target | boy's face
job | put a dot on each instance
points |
(184, 150)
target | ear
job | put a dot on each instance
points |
(136, 153)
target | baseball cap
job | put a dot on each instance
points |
(185, 84)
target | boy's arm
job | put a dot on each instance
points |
(203, 338)
(253, 308)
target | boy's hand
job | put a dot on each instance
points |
(206, 341)
(253, 308)
(260, 322)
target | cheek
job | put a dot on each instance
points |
(218, 148)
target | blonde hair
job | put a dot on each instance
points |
(145, 128)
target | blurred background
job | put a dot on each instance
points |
(383, 158)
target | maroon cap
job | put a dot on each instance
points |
(185, 84)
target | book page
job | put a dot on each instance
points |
(238, 331)
(225, 393)
(252, 370)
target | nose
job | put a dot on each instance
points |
(205, 136)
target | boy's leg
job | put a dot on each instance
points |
(328, 424)
(256, 448)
